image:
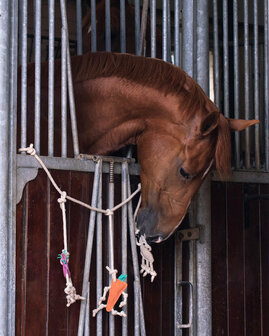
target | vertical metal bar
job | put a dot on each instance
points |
(256, 85)
(63, 86)
(139, 322)
(5, 308)
(37, 72)
(12, 165)
(99, 258)
(236, 80)
(168, 31)
(137, 25)
(203, 248)
(188, 44)
(24, 25)
(216, 53)
(122, 27)
(79, 27)
(143, 26)
(225, 58)
(51, 79)
(177, 287)
(87, 318)
(153, 28)
(177, 28)
(72, 105)
(111, 187)
(93, 26)
(124, 237)
(266, 83)
(108, 26)
(67, 79)
(246, 86)
(88, 255)
(165, 35)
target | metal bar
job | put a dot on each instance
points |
(177, 33)
(124, 237)
(88, 254)
(99, 258)
(37, 72)
(190, 305)
(122, 27)
(137, 25)
(216, 53)
(165, 31)
(188, 44)
(63, 84)
(87, 318)
(79, 27)
(168, 31)
(111, 187)
(256, 85)
(139, 322)
(5, 308)
(72, 105)
(24, 25)
(246, 81)
(12, 165)
(225, 58)
(203, 219)
(236, 80)
(266, 83)
(177, 288)
(24, 161)
(108, 26)
(153, 28)
(143, 26)
(93, 26)
(51, 79)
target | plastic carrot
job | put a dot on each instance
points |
(117, 287)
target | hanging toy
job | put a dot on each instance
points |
(116, 289)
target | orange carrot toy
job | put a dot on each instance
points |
(116, 289)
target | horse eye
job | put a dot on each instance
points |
(184, 174)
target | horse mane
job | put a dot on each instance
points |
(150, 72)
(223, 149)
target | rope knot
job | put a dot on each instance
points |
(109, 212)
(62, 199)
(29, 150)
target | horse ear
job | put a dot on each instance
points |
(209, 123)
(240, 124)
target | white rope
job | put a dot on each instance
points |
(30, 150)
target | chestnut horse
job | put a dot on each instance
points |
(124, 99)
(115, 29)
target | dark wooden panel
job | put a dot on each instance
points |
(252, 264)
(264, 211)
(36, 254)
(235, 255)
(219, 265)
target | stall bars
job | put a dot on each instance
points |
(186, 28)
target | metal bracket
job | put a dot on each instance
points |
(189, 234)
(24, 175)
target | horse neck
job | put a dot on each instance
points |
(113, 113)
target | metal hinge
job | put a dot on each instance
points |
(189, 234)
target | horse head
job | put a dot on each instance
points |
(174, 165)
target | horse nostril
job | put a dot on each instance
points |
(154, 239)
